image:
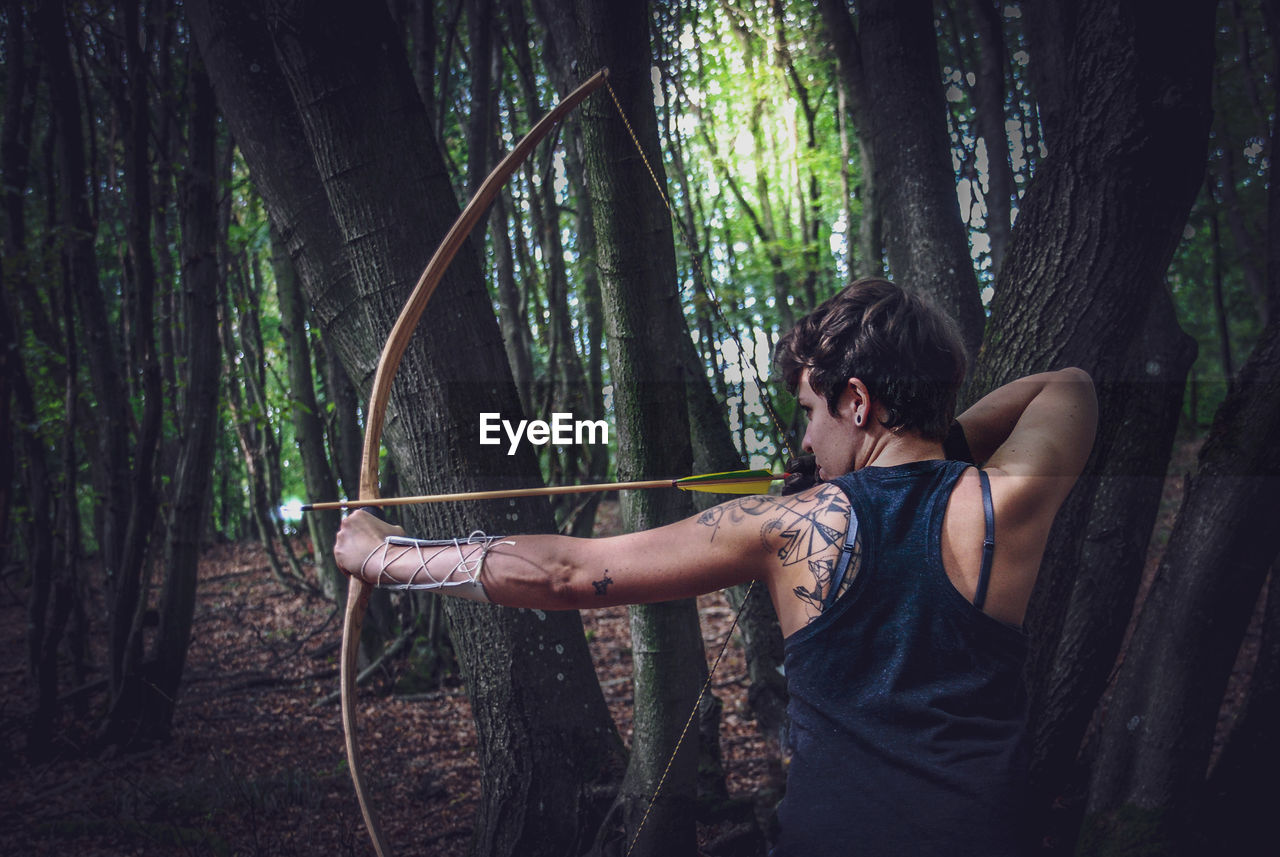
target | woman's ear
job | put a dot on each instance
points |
(858, 401)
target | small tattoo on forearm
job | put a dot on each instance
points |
(603, 584)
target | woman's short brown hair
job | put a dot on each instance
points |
(906, 350)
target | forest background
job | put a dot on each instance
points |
(213, 212)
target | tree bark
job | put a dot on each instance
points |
(308, 429)
(201, 282)
(1155, 741)
(1083, 285)
(891, 60)
(370, 165)
(635, 253)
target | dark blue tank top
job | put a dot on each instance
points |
(907, 702)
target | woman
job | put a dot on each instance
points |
(900, 580)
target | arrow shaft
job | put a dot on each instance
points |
(547, 491)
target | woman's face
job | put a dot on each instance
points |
(833, 439)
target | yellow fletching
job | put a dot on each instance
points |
(730, 482)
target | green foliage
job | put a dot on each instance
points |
(766, 219)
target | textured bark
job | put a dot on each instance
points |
(1080, 611)
(372, 170)
(1148, 783)
(1155, 741)
(344, 428)
(644, 324)
(1083, 285)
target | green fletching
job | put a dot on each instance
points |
(729, 482)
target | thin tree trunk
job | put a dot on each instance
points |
(989, 95)
(516, 338)
(343, 428)
(127, 705)
(902, 121)
(1219, 304)
(201, 280)
(308, 429)
(637, 273)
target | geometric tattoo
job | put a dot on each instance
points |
(806, 529)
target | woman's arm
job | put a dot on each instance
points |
(1038, 429)
(790, 543)
(718, 548)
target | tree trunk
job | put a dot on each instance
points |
(989, 94)
(1083, 285)
(201, 281)
(644, 323)
(371, 170)
(564, 366)
(39, 536)
(511, 305)
(125, 473)
(129, 691)
(308, 429)
(1080, 611)
(892, 64)
(245, 361)
(1243, 789)
(1155, 741)
(579, 519)
(343, 429)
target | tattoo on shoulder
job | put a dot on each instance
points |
(806, 530)
(805, 521)
(822, 570)
(602, 585)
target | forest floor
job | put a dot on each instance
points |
(256, 765)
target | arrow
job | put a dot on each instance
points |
(729, 482)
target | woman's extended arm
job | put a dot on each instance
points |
(700, 554)
(788, 542)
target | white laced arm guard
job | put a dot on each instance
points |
(458, 564)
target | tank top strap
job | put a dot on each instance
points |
(842, 564)
(988, 543)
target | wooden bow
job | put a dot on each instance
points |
(358, 591)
